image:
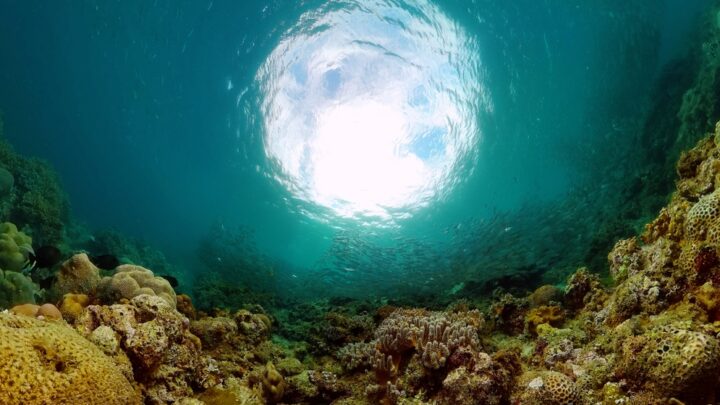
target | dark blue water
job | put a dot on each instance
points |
(426, 144)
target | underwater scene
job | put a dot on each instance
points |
(360, 202)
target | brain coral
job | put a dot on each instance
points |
(671, 361)
(14, 246)
(49, 363)
(77, 275)
(129, 281)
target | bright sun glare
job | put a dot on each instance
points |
(369, 109)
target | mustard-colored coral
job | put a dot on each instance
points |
(552, 315)
(72, 305)
(49, 363)
(129, 281)
(77, 275)
(14, 247)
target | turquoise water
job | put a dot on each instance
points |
(418, 150)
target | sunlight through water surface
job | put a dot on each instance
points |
(370, 109)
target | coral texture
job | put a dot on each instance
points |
(77, 275)
(47, 363)
(129, 281)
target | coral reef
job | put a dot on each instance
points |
(645, 330)
(157, 340)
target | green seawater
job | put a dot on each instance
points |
(416, 151)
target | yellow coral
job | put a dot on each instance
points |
(49, 363)
(552, 315)
(129, 281)
(77, 275)
(72, 305)
(14, 246)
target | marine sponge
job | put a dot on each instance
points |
(77, 275)
(672, 361)
(49, 363)
(14, 247)
(16, 288)
(130, 280)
